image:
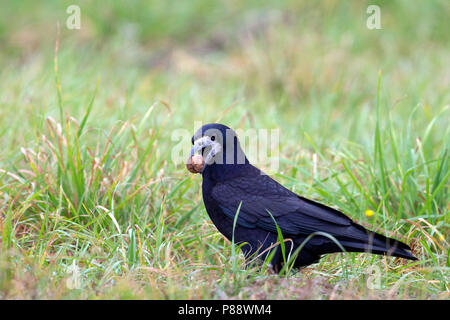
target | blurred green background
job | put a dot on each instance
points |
(283, 57)
(296, 65)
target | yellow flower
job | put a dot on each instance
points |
(369, 213)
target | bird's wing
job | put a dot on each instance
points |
(259, 195)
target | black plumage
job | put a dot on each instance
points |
(232, 185)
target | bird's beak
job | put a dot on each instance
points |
(205, 142)
(199, 144)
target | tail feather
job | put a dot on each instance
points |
(369, 241)
(353, 246)
(356, 238)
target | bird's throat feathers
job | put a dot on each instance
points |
(222, 172)
(228, 165)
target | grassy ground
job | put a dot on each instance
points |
(92, 206)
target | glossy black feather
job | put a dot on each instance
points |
(261, 200)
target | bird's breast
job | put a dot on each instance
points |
(220, 220)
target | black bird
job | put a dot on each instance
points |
(232, 185)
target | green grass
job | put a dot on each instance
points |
(86, 176)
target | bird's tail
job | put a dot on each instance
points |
(369, 241)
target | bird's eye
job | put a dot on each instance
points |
(213, 138)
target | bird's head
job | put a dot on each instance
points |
(218, 145)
